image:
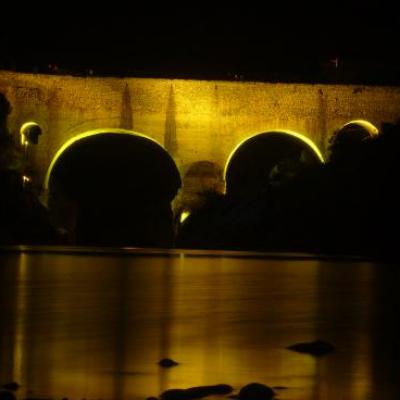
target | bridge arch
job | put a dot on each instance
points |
(92, 133)
(344, 145)
(29, 133)
(118, 186)
(252, 160)
(368, 126)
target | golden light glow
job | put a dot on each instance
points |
(372, 129)
(88, 134)
(299, 136)
(25, 179)
(23, 130)
(183, 216)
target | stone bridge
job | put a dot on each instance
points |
(192, 120)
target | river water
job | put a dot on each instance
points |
(93, 324)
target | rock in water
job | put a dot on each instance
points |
(167, 363)
(196, 392)
(316, 348)
(256, 391)
(11, 386)
(174, 394)
(6, 395)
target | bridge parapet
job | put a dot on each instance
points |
(194, 120)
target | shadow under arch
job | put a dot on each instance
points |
(249, 166)
(113, 187)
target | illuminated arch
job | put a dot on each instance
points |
(308, 142)
(84, 135)
(25, 130)
(372, 129)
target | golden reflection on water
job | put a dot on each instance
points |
(20, 319)
(95, 326)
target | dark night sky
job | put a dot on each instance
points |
(280, 42)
